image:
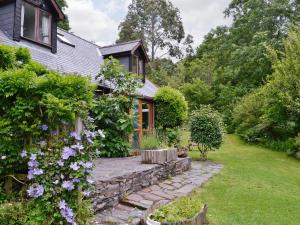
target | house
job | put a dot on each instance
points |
(33, 24)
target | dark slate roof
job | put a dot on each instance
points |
(85, 58)
(80, 57)
(148, 90)
(120, 47)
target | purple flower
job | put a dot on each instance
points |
(74, 166)
(77, 147)
(60, 163)
(68, 185)
(23, 154)
(35, 191)
(33, 163)
(30, 175)
(90, 141)
(43, 143)
(37, 171)
(75, 135)
(33, 157)
(54, 133)
(41, 153)
(67, 153)
(86, 193)
(76, 180)
(88, 165)
(67, 212)
(44, 127)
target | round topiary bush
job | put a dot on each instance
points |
(171, 108)
(207, 130)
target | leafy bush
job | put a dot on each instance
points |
(173, 137)
(111, 113)
(171, 108)
(197, 93)
(207, 130)
(37, 117)
(150, 142)
(271, 114)
(7, 57)
(182, 209)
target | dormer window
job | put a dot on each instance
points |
(35, 24)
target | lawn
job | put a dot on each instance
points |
(256, 187)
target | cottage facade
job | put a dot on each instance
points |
(33, 24)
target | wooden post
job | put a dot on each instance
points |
(78, 125)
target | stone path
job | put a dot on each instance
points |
(133, 208)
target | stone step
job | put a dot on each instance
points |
(133, 208)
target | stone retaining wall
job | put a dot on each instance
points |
(108, 193)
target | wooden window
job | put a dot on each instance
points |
(135, 64)
(36, 24)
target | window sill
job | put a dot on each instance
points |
(37, 42)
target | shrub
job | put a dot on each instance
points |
(207, 130)
(7, 57)
(171, 108)
(111, 113)
(150, 142)
(37, 117)
(271, 114)
(197, 93)
(173, 137)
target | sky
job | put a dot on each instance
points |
(98, 20)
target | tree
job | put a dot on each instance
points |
(272, 112)
(239, 52)
(158, 24)
(197, 93)
(64, 24)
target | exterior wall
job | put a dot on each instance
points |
(108, 193)
(7, 13)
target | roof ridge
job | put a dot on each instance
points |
(121, 43)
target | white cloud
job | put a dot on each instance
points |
(98, 20)
(200, 16)
(91, 23)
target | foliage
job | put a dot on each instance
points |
(206, 130)
(249, 179)
(158, 24)
(64, 24)
(180, 210)
(37, 117)
(111, 113)
(173, 137)
(171, 108)
(150, 142)
(197, 93)
(120, 81)
(272, 112)
(7, 57)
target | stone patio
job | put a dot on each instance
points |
(132, 209)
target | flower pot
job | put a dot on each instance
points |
(159, 156)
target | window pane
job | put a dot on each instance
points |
(135, 64)
(44, 27)
(136, 114)
(28, 21)
(146, 116)
(141, 67)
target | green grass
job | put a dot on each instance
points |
(256, 187)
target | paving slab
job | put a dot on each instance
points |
(133, 208)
